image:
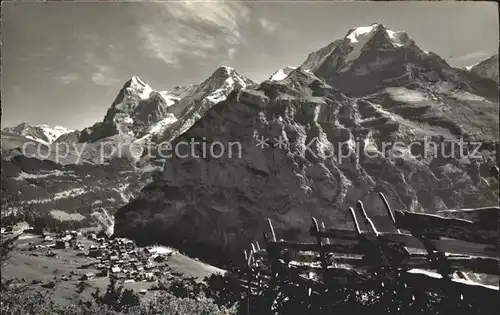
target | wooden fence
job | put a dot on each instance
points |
(430, 253)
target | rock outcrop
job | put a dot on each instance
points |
(298, 148)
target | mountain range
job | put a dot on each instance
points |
(313, 139)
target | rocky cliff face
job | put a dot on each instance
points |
(136, 107)
(308, 165)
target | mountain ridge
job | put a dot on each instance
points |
(372, 87)
(413, 100)
(487, 68)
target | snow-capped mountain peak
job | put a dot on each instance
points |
(363, 34)
(41, 133)
(169, 98)
(142, 112)
(376, 40)
(54, 132)
(134, 91)
(192, 101)
(281, 73)
(369, 58)
(359, 37)
(213, 90)
(136, 86)
(227, 69)
(223, 77)
(398, 38)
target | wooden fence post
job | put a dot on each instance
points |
(374, 247)
(252, 253)
(383, 254)
(272, 229)
(257, 245)
(320, 245)
(249, 279)
(355, 220)
(323, 227)
(368, 222)
(389, 211)
(436, 258)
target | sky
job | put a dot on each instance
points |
(63, 63)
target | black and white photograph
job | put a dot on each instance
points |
(241, 157)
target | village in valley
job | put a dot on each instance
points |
(90, 259)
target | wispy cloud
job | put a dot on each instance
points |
(193, 29)
(101, 74)
(231, 52)
(68, 78)
(104, 75)
(267, 25)
(226, 16)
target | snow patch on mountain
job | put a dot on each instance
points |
(135, 89)
(52, 133)
(169, 98)
(396, 37)
(23, 175)
(281, 73)
(183, 91)
(140, 88)
(360, 36)
(218, 86)
(122, 191)
(37, 140)
(69, 193)
(159, 127)
(221, 93)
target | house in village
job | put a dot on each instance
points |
(160, 258)
(115, 269)
(95, 253)
(103, 273)
(62, 245)
(88, 276)
(20, 227)
(78, 246)
(67, 238)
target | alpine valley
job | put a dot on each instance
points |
(372, 88)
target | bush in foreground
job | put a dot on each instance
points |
(20, 302)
